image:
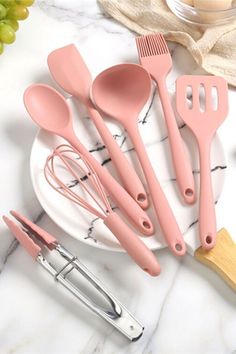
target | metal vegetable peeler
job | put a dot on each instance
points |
(28, 234)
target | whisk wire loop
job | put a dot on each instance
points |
(74, 165)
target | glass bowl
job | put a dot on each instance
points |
(202, 17)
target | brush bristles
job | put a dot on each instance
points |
(151, 45)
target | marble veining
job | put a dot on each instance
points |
(188, 309)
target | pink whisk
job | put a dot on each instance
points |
(83, 174)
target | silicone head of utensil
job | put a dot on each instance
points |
(203, 121)
(122, 90)
(48, 108)
(70, 71)
(203, 117)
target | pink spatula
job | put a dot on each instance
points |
(121, 92)
(203, 122)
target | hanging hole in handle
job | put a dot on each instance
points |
(141, 197)
(189, 192)
(178, 247)
(131, 327)
(147, 225)
(209, 239)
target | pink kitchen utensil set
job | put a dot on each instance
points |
(121, 92)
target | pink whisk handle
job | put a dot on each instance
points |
(123, 200)
(131, 242)
(126, 172)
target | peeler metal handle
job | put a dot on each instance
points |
(119, 317)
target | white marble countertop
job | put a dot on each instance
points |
(186, 310)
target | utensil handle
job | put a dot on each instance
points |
(207, 218)
(124, 201)
(162, 208)
(116, 314)
(137, 250)
(125, 171)
(182, 166)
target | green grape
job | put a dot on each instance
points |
(17, 12)
(13, 23)
(3, 11)
(7, 2)
(24, 2)
(11, 11)
(7, 34)
(1, 47)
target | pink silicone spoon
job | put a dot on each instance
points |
(49, 109)
(203, 121)
(71, 73)
(121, 92)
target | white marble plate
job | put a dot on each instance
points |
(85, 227)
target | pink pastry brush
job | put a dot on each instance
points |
(155, 58)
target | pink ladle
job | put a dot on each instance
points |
(121, 92)
(49, 109)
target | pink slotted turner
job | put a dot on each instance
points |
(203, 123)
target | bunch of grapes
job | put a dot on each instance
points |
(11, 11)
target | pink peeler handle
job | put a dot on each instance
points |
(207, 217)
(28, 244)
(182, 166)
(162, 208)
(126, 172)
(137, 250)
(46, 238)
(132, 210)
